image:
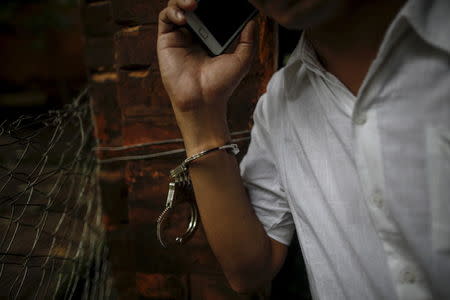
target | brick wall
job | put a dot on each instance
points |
(130, 106)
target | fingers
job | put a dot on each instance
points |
(247, 43)
(187, 5)
(174, 15)
(170, 18)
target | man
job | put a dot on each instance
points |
(350, 147)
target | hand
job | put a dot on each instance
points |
(193, 80)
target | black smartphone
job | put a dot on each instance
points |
(218, 22)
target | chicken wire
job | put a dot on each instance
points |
(52, 242)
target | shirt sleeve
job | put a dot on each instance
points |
(262, 180)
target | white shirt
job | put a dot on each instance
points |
(365, 181)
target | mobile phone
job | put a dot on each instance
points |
(218, 22)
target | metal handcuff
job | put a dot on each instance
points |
(180, 180)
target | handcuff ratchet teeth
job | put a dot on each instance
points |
(171, 203)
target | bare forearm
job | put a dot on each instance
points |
(232, 228)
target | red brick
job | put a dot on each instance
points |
(267, 57)
(100, 53)
(105, 109)
(162, 286)
(148, 182)
(133, 12)
(98, 19)
(136, 46)
(121, 247)
(214, 287)
(142, 113)
(124, 283)
(141, 95)
(120, 241)
(113, 194)
(150, 129)
(195, 256)
(241, 104)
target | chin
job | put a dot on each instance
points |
(299, 14)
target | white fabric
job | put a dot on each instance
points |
(365, 181)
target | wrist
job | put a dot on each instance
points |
(202, 130)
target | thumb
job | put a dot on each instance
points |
(246, 47)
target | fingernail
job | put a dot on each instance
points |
(180, 15)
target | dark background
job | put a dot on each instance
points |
(42, 63)
(43, 67)
(42, 54)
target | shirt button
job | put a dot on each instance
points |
(378, 200)
(360, 119)
(408, 276)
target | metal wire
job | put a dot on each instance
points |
(151, 155)
(163, 142)
(51, 237)
(52, 243)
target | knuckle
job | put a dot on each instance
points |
(172, 14)
(162, 13)
(172, 9)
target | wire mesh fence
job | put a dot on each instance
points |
(51, 236)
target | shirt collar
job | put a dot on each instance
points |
(306, 53)
(430, 19)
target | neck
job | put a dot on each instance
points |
(347, 45)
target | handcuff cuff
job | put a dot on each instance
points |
(181, 182)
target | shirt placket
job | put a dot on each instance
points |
(408, 279)
(406, 274)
